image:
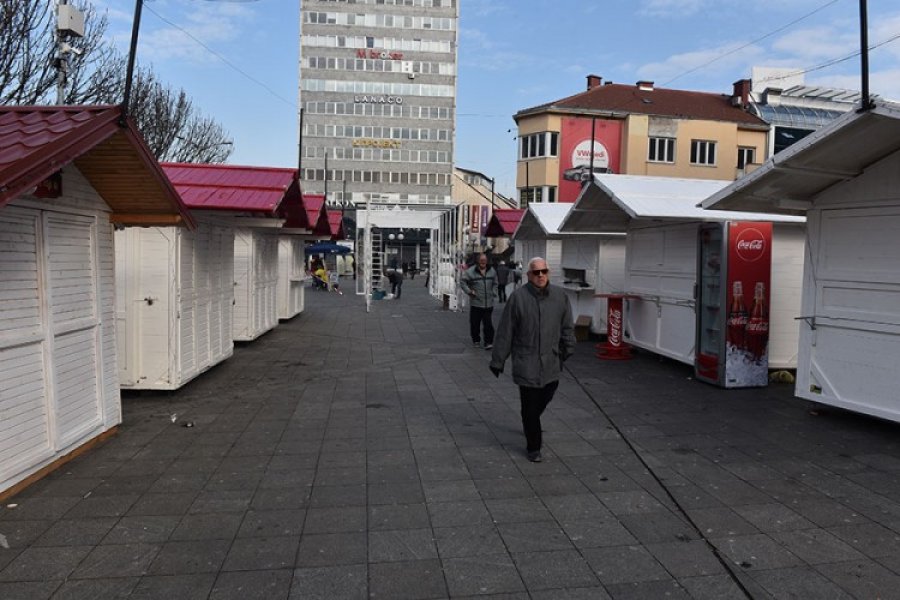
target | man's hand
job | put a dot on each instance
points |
(496, 371)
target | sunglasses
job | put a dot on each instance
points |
(540, 271)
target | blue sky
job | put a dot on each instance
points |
(513, 54)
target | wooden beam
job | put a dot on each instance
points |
(146, 219)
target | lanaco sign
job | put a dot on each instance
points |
(378, 99)
(373, 143)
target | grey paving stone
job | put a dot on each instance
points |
(332, 549)
(555, 569)
(756, 552)
(862, 579)
(871, 539)
(385, 517)
(624, 564)
(459, 542)
(482, 575)
(715, 587)
(28, 590)
(345, 582)
(20, 534)
(537, 536)
(817, 546)
(126, 560)
(170, 587)
(592, 593)
(648, 589)
(692, 558)
(407, 580)
(74, 532)
(578, 507)
(721, 522)
(395, 493)
(48, 508)
(507, 487)
(556, 485)
(518, 510)
(450, 491)
(335, 519)
(773, 517)
(400, 473)
(216, 526)
(401, 545)
(338, 495)
(143, 529)
(458, 514)
(799, 582)
(163, 504)
(272, 523)
(252, 585)
(630, 503)
(44, 564)
(262, 554)
(186, 558)
(598, 534)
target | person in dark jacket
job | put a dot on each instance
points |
(536, 328)
(502, 280)
(480, 283)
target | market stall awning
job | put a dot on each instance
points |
(336, 224)
(542, 221)
(610, 202)
(269, 191)
(317, 215)
(843, 150)
(37, 141)
(504, 221)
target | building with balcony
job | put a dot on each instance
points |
(633, 129)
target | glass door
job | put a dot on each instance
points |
(710, 315)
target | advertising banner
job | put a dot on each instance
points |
(575, 152)
(747, 321)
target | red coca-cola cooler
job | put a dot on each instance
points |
(733, 281)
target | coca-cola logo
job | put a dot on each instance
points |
(750, 245)
(614, 330)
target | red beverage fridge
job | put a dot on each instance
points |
(733, 280)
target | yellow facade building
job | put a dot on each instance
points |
(636, 130)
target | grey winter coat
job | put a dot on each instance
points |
(536, 328)
(483, 286)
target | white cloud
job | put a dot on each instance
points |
(817, 43)
(679, 64)
(885, 83)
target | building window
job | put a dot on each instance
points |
(538, 145)
(703, 152)
(528, 195)
(661, 150)
(746, 156)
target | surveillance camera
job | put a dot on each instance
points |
(67, 48)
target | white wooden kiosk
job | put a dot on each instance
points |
(583, 263)
(661, 218)
(846, 178)
(67, 175)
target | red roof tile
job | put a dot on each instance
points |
(316, 215)
(621, 99)
(504, 222)
(336, 225)
(37, 141)
(231, 187)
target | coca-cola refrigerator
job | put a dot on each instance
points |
(733, 281)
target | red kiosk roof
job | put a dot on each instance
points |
(37, 141)
(316, 214)
(504, 222)
(336, 225)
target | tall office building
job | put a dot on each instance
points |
(378, 92)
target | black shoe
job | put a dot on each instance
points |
(535, 456)
(488, 346)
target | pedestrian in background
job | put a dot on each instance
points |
(517, 275)
(502, 280)
(536, 328)
(479, 282)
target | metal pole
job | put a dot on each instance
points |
(62, 65)
(492, 197)
(300, 146)
(593, 122)
(866, 103)
(132, 51)
(326, 176)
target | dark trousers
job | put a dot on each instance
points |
(397, 288)
(477, 316)
(501, 292)
(534, 401)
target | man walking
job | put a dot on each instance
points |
(480, 283)
(536, 328)
(502, 280)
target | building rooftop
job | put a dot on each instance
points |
(615, 99)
